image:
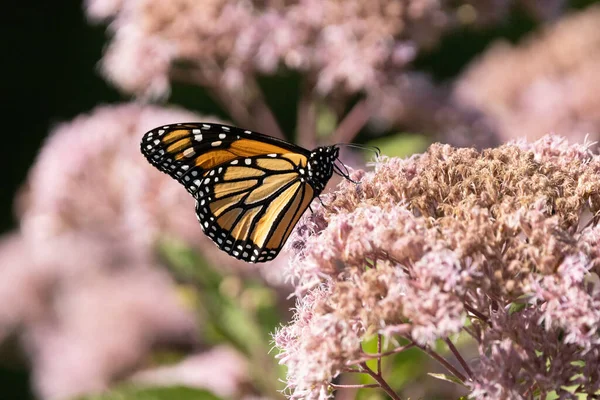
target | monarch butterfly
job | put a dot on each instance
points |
(250, 188)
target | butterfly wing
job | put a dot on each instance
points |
(249, 210)
(248, 187)
(186, 151)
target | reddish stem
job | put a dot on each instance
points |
(352, 123)
(261, 118)
(379, 355)
(236, 109)
(379, 352)
(306, 119)
(263, 115)
(379, 379)
(445, 363)
(477, 313)
(459, 357)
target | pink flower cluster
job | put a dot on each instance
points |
(340, 44)
(82, 284)
(556, 89)
(501, 245)
(340, 49)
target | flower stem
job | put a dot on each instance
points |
(236, 109)
(368, 357)
(306, 118)
(379, 351)
(263, 115)
(357, 386)
(352, 123)
(445, 363)
(379, 379)
(477, 313)
(459, 357)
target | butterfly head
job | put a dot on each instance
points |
(320, 166)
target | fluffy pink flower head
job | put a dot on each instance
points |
(87, 310)
(342, 46)
(423, 244)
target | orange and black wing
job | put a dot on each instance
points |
(248, 187)
(249, 207)
(186, 151)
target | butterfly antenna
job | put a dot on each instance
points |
(374, 149)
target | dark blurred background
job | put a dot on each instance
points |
(50, 53)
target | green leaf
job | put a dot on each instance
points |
(186, 264)
(401, 144)
(239, 312)
(153, 393)
(516, 307)
(326, 120)
(447, 378)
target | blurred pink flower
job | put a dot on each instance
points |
(83, 284)
(340, 44)
(193, 372)
(89, 310)
(91, 177)
(340, 49)
(556, 88)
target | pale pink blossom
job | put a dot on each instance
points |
(449, 241)
(556, 89)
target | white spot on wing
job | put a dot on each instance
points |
(189, 152)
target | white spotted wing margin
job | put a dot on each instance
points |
(250, 189)
(250, 208)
